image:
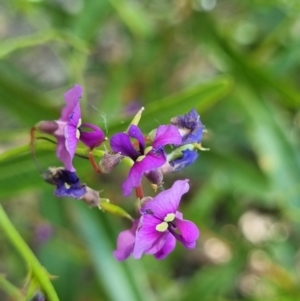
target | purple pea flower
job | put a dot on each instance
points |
(68, 129)
(68, 185)
(189, 126)
(188, 158)
(159, 227)
(145, 159)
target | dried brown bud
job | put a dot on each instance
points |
(155, 176)
(91, 197)
(109, 162)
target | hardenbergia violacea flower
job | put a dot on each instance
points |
(69, 129)
(159, 226)
(145, 159)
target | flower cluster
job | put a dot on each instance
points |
(158, 223)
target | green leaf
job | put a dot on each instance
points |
(201, 97)
(116, 277)
(27, 104)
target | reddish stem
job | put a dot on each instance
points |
(32, 139)
(139, 192)
(93, 162)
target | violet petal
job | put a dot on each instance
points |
(72, 98)
(125, 242)
(150, 162)
(93, 138)
(166, 134)
(188, 158)
(167, 201)
(72, 192)
(63, 155)
(135, 132)
(71, 139)
(120, 143)
(189, 232)
(167, 248)
(147, 236)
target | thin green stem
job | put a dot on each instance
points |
(10, 290)
(36, 268)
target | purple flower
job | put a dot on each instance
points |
(159, 227)
(189, 126)
(187, 158)
(68, 130)
(145, 159)
(125, 242)
(67, 183)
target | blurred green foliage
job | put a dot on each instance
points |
(237, 62)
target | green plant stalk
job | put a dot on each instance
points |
(34, 265)
(10, 289)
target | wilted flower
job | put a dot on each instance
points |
(68, 130)
(109, 162)
(189, 126)
(68, 185)
(159, 227)
(145, 159)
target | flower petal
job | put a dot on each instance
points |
(150, 162)
(71, 139)
(166, 134)
(125, 242)
(167, 201)
(167, 248)
(63, 155)
(120, 143)
(188, 158)
(147, 238)
(72, 107)
(67, 183)
(75, 192)
(189, 232)
(91, 139)
(190, 127)
(135, 132)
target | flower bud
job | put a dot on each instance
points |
(109, 162)
(47, 127)
(155, 176)
(91, 197)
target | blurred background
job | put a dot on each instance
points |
(237, 62)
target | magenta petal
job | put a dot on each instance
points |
(125, 242)
(150, 162)
(121, 143)
(72, 107)
(63, 155)
(167, 201)
(146, 237)
(189, 232)
(166, 134)
(167, 248)
(91, 139)
(135, 132)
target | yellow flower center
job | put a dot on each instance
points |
(67, 185)
(169, 217)
(77, 134)
(140, 158)
(162, 227)
(148, 149)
